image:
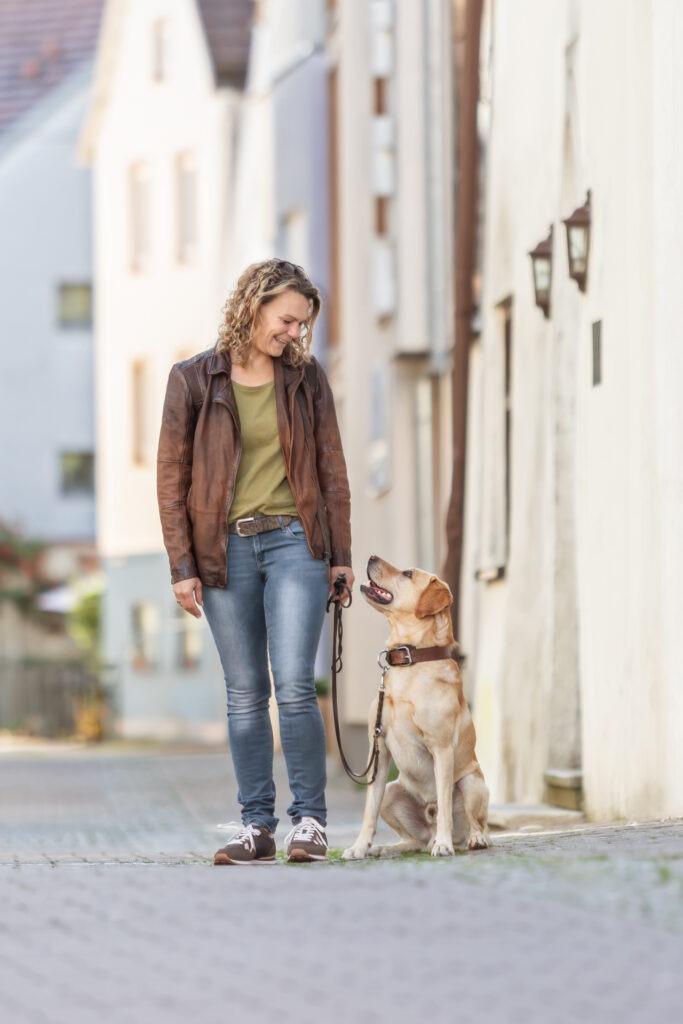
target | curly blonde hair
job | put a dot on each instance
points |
(259, 284)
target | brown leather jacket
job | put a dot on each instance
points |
(199, 452)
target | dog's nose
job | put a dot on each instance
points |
(373, 558)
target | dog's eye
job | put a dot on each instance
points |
(408, 573)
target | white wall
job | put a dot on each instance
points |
(46, 372)
(667, 304)
(574, 649)
(164, 312)
(372, 357)
(618, 537)
(169, 310)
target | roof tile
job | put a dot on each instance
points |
(41, 43)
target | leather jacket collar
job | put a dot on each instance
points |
(220, 362)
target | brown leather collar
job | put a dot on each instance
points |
(406, 654)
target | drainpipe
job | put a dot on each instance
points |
(467, 96)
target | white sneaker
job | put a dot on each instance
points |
(306, 842)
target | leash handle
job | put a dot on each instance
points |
(339, 588)
(337, 635)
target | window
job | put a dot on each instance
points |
(294, 236)
(382, 210)
(160, 50)
(383, 278)
(597, 353)
(379, 454)
(382, 25)
(77, 472)
(145, 629)
(141, 426)
(74, 305)
(381, 95)
(383, 144)
(186, 197)
(190, 640)
(139, 195)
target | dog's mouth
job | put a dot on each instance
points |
(375, 593)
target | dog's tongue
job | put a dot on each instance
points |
(380, 591)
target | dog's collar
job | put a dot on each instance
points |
(406, 654)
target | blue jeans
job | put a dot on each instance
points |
(272, 609)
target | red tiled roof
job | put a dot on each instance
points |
(227, 25)
(41, 43)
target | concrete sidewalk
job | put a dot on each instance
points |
(112, 911)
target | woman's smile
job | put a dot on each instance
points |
(288, 313)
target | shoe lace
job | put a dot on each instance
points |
(244, 834)
(308, 830)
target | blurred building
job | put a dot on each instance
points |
(390, 295)
(282, 182)
(571, 585)
(47, 455)
(161, 135)
(282, 196)
(346, 166)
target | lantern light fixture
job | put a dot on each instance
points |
(542, 268)
(578, 242)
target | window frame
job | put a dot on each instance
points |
(187, 208)
(74, 324)
(139, 216)
(73, 489)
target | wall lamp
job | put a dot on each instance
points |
(578, 241)
(542, 267)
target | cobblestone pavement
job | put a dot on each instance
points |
(112, 911)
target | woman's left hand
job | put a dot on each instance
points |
(338, 570)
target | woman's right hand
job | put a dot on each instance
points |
(188, 594)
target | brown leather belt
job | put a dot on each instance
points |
(250, 526)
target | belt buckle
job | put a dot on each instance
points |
(238, 525)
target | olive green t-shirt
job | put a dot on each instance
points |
(261, 487)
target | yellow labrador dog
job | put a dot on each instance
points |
(440, 799)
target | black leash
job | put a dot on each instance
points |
(336, 598)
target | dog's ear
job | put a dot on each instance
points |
(435, 598)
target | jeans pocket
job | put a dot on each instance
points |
(295, 529)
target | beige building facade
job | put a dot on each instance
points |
(391, 313)
(161, 136)
(571, 593)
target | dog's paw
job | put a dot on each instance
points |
(477, 841)
(355, 853)
(442, 849)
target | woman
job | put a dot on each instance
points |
(255, 511)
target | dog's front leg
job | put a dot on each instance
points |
(444, 760)
(373, 802)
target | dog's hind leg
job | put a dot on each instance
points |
(412, 821)
(475, 802)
